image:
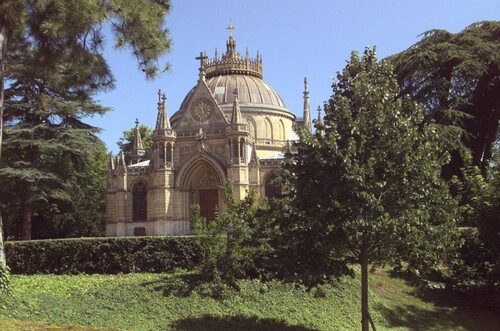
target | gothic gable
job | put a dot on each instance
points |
(202, 108)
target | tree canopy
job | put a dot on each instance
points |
(367, 187)
(78, 210)
(52, 62)
(456, 78)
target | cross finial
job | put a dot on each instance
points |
(305, 83)
(231, 27)
(203, 56)
(136, 122)
(163, 97)
(159, 96)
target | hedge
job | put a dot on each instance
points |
(102, 255)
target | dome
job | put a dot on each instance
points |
(233, 72)
(250, 90)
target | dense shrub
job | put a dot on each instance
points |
(102, 255)
(477, 275)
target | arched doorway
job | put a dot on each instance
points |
(208, 194)
(199, 180)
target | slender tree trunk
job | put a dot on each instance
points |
(364, 288)
(3, 50)
(3, 47)
(366, 319)
(27, 211)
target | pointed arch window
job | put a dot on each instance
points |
(242, 150)
(139, 202)
(235, 147)
(271, 186)
(169, 152)
(161, 154)
(268, 128)
(281, 128)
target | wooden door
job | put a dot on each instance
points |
(209, 198)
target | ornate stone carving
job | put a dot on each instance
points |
(219, 149)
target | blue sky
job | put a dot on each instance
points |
(296, 38)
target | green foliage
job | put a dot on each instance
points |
(139, 302)
(102, 255)
(372, 181)
(232, 247)
(456, 78)
(480, 196)
(12, 324)
(85, 216)
(4, 279)
(53, 52)
(77, 24)
(367, 185)
(478, 272)
(73, 208)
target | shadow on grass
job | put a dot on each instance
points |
(234, 323)
(451, 312)
(179, 285)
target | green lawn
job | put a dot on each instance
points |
(166, 302)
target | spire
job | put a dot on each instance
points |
(120, 164)
(319, 123)
(236, 114)
(111, 162)
(230, 62)
(307, 111)
(138, 150)
(137, 137)
(162, 121)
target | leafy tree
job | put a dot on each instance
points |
(366, 187)
(54, 65)
(456, 77)
(126, 142)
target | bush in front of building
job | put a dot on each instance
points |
(102, 255)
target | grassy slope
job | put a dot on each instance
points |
(145, 302)
(15, 325)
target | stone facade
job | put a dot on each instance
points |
(232, 126)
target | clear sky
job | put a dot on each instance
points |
(296, 38)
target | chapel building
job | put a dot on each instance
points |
(231, 126)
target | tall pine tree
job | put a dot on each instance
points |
(51, 59)
(456, 77)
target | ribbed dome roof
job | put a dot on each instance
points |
(231, 71)
(250, 90)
